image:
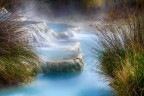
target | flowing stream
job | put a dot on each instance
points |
(66, 42)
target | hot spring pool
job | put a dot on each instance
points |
(85, 83)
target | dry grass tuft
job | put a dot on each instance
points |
(18, 62)
(122, 54)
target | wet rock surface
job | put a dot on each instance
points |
(62, 66)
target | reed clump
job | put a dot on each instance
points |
(18, 62)
(122, 54)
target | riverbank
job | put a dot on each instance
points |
(19, 64)
(121, 57)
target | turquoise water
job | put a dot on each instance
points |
(86, 83)
(59, 27)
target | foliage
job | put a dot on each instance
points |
(122, 54)
(18, 62)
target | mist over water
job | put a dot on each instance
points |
(62, 10)
(62, 34)
(86, 83)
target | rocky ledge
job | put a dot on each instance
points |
(63, 66)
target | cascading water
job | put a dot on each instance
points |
(61, 42)
(48, 40)
(40, 35)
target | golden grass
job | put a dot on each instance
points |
(122, 56)
(18, 62)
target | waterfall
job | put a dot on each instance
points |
(53, 45)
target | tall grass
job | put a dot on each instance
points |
(18, 62)
(122, 54)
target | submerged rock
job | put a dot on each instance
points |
(62, 66)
